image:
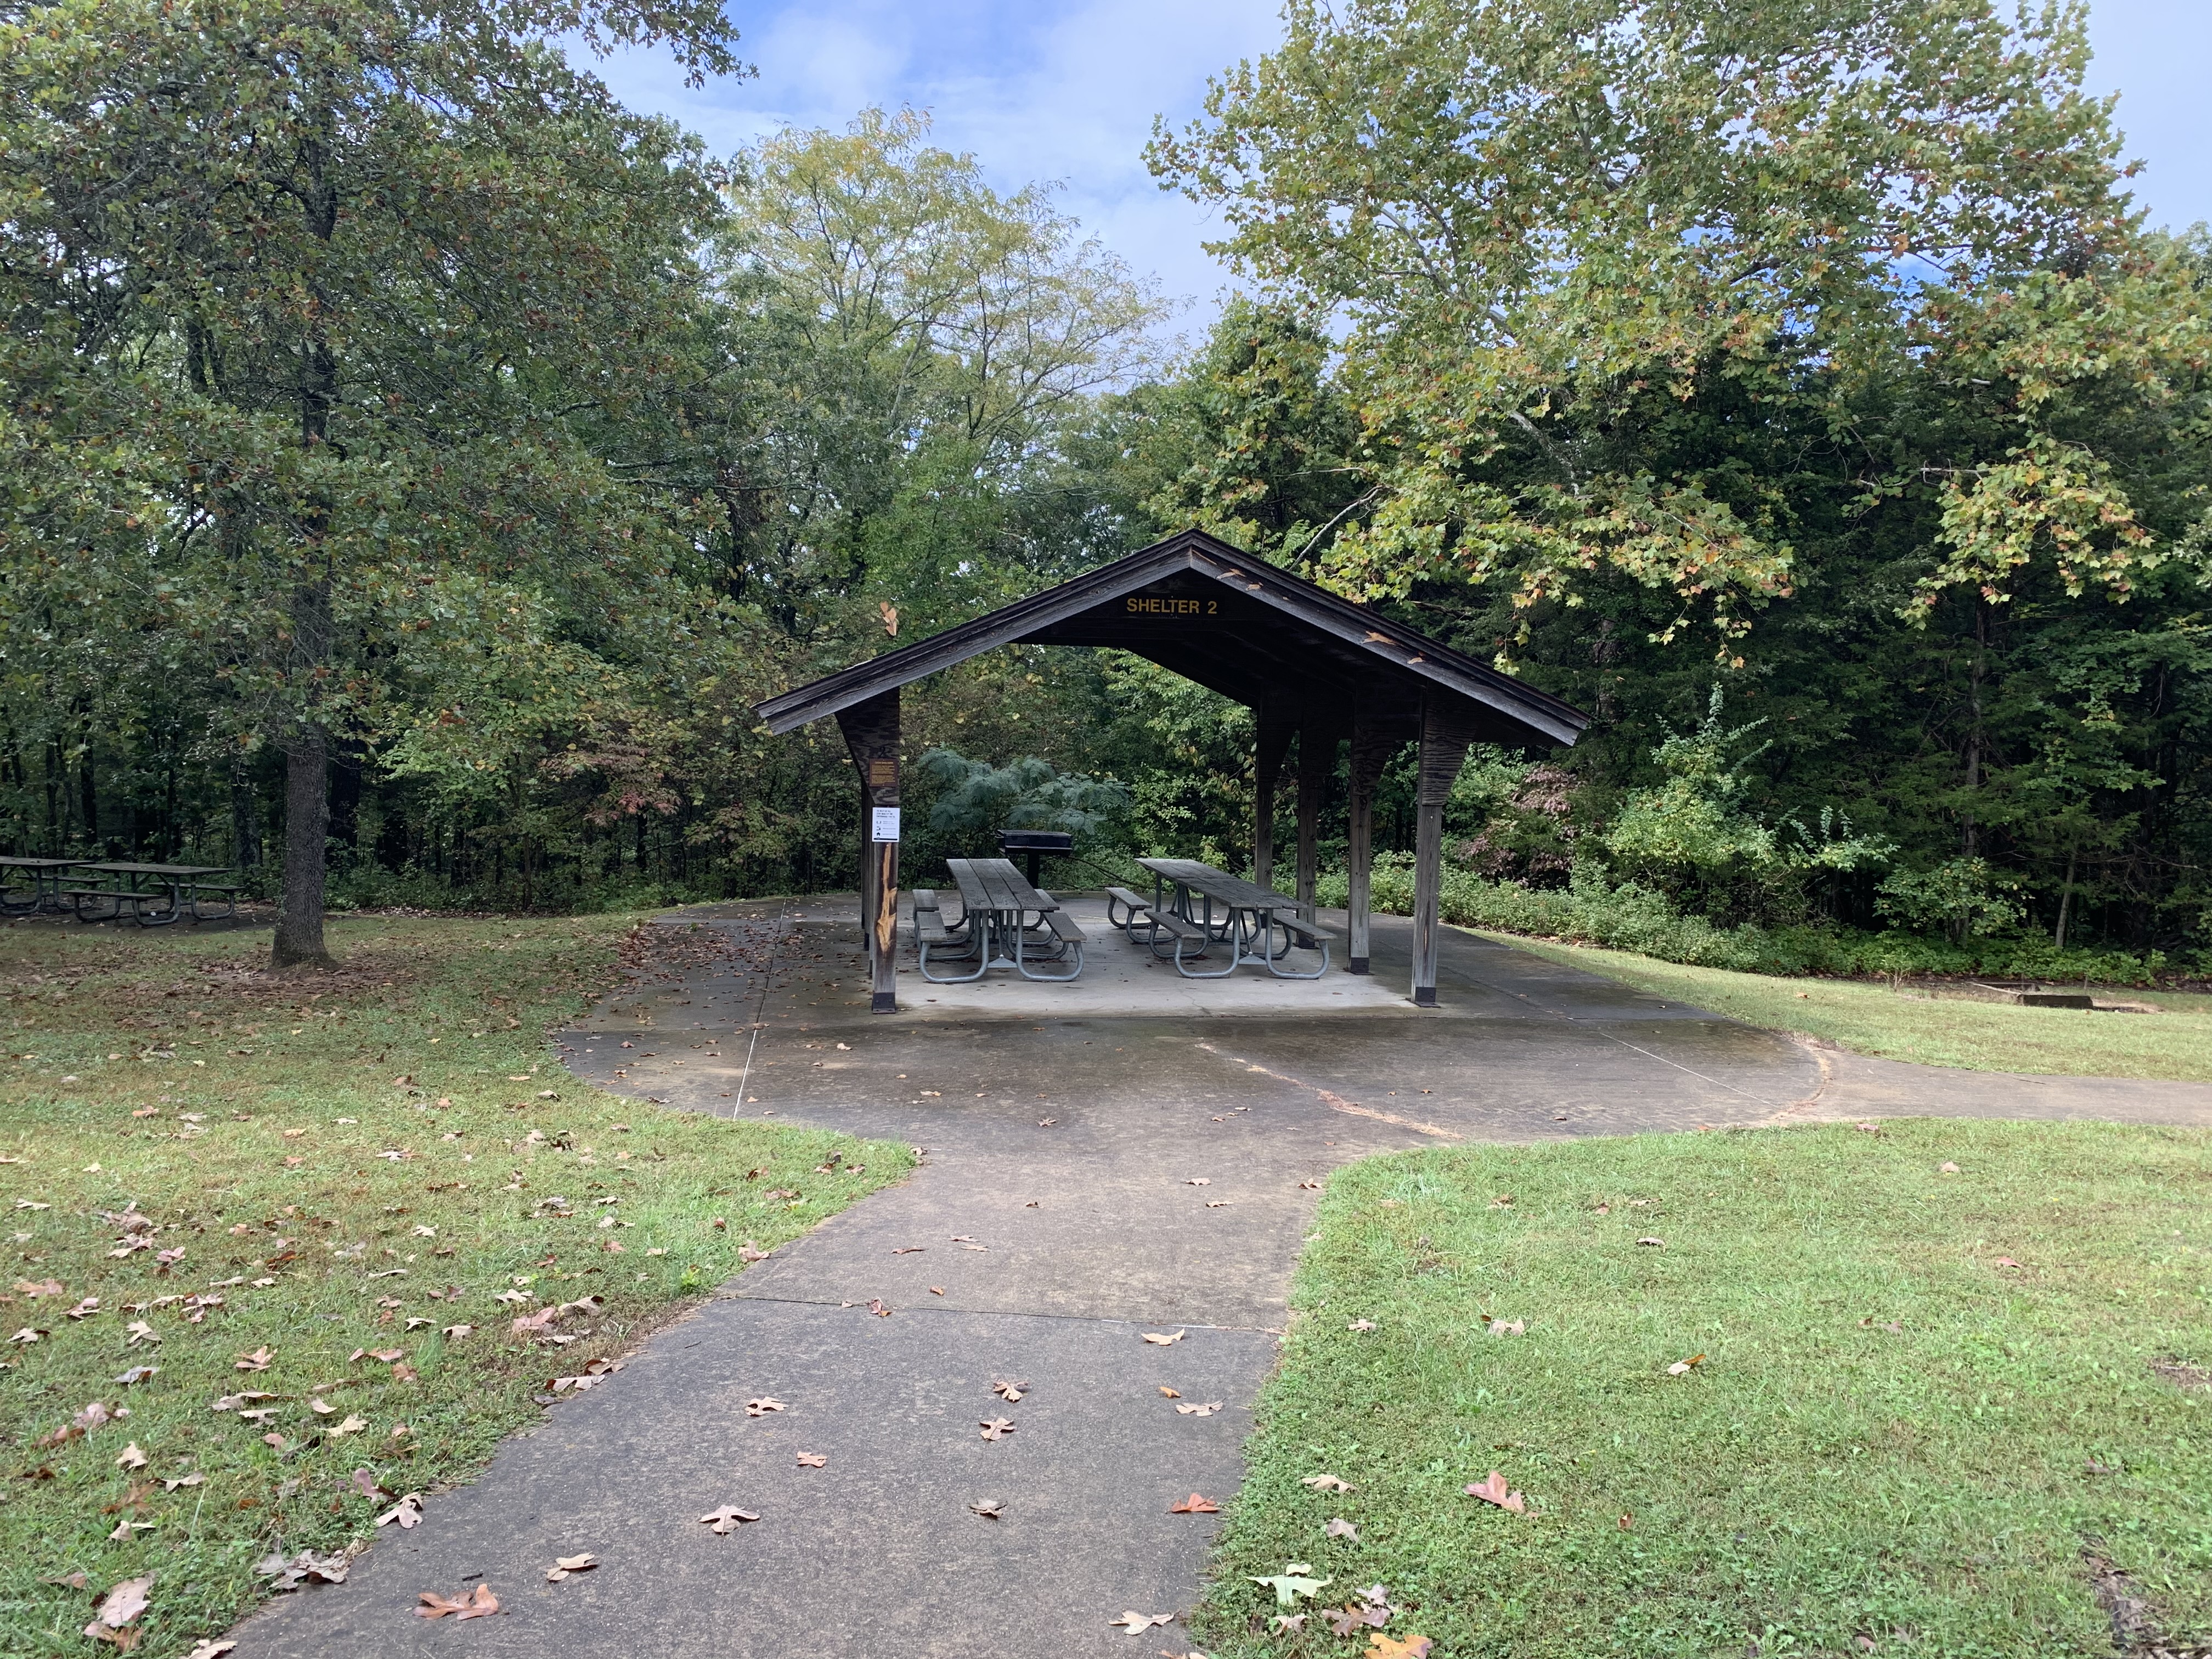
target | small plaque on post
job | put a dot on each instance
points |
(883, 775)
(886, 823)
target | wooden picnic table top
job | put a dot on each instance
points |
(42, 864)
(178, 871)
(1219, 884)
(995, 884)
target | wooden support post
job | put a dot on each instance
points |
(871, 732)
(1273, 743)
(1445, 734)
(1316, 763)
(1371, 752)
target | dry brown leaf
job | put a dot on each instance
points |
(990, 1509)
(763, 1406)
(1195, 1504)
(123, 1603)
(811, 1459)
(1206, 1410)
(1380, 1646)
(256, 1361)
(565, 1564)
(728, 1518)
(996, 1428)
(876, 1307)
(1009, 1390)
(1170, 1392)
(131, 1457)
(1159, 1340)
(1361, 1325)
(1326, 1483)
(1338, 1527)
(1655, 1243)
(210, 1648)
(1138, 1623)
(1682, 1367)
(478, 1603)
(1491, 1489)
(408, 1512)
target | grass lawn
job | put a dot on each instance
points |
(1928, 1404)
(1872, 1019)
(334, 1197)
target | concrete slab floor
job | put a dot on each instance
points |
(1058, 1216)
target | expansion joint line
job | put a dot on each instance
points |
(1334, 1101)
(760, 1013)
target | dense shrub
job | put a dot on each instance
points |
(1595, 909)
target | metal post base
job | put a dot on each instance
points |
(886, 1002)
(1355, 965)
(1424, 996)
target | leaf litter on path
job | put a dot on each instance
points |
(478, 1603)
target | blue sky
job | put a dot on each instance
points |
(1066, 90)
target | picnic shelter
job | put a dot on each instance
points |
(1308, 663)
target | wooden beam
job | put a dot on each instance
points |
(1372, 746)
(1445, 733)
(871, 732)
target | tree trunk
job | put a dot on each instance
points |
(307, 831)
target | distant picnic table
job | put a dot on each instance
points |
(994, 929)
(142, 889)
(46, 878)
(1250, 916)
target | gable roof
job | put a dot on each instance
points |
(1254, 633)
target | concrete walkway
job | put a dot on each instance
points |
(1064, 1130)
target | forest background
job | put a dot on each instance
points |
(413, 464)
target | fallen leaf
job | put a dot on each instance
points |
(1946, 1169)
(2006, 1261)
(1682, 1367)
(1491, 1489)
(1170, 1392)
(1506, 1327)
(1380, 1646)
(1138, 1623)
(131, 1457)
(909, 1249)
(122, 1604)
(990, 1509)
(477, 1604)
(408, 1512)
(1656, 1243)
(996, 1428)
(1206, 1410)
(876, 1307)
(209, 1648)
(351, 1425)
(1159, 1340)
(1200, 1181)
(564, 1564)
(1338, 1527)
(1195, 1504)
(1291, 1582)
(1310, 1185)
(1008, 1389)
(811, 1459)
(728, 1518)
(1326, 1483)
(256, 1361)
(762, 1407)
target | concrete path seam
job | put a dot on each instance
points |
(1334, 1101)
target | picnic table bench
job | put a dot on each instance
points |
(996, 907)
(185, 884)
(1250, 916)
(46, 879)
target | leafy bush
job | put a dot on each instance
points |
(1595, 909)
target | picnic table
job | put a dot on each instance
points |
(127, 886)
(996, 907)
(45, 878)
(1250, 916)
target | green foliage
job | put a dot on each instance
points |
(1958, 896)
(978, 799)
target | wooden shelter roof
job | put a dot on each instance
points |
(1254, 633)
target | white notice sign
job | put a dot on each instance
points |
(886, 824)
